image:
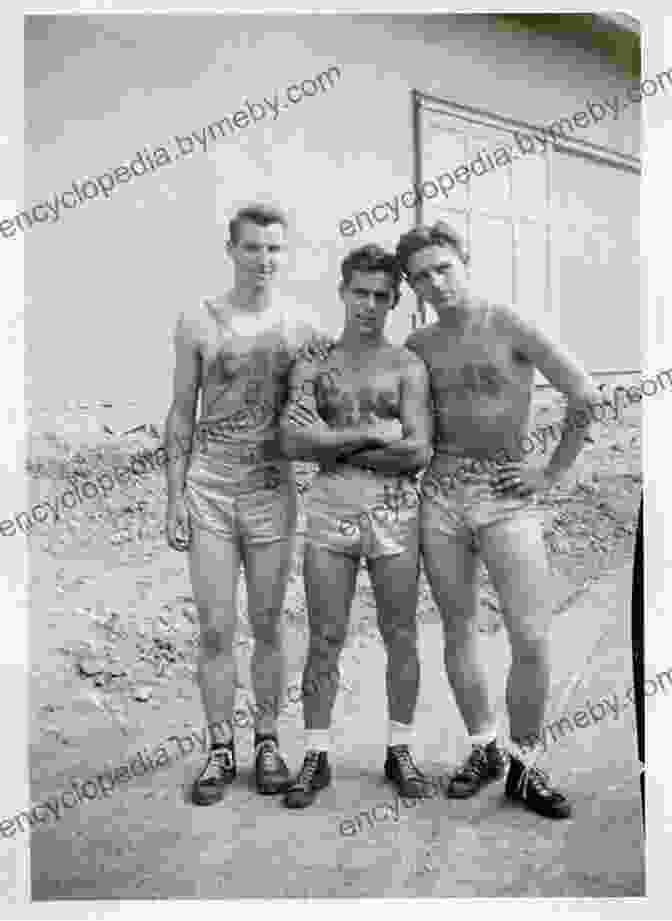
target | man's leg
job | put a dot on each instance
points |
(515, 556)
(267, 517)
(214, 564)
(395, 587)
(451, 565)
(267, 569)
(330, 580)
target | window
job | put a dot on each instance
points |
(553, 233)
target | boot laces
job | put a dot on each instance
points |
(406, 766)
(538, 780)
(269, 756)
(476, 763)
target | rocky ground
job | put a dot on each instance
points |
(113, 646)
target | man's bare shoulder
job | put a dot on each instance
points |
(527, 338)
(504, 318)
(406, 360)
(194, 322)
(420, 339)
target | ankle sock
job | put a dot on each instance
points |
(484, 737)
(318, 740)
(399, 734)
(260, 737)
(524, 755)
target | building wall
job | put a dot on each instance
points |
(105, 284)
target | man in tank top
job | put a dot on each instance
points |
(232, 495)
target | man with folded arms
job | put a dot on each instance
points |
(478, 500)
(363, 414)
(235, 500)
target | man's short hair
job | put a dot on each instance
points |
(371, 258)
(260, 214)
(422, 236)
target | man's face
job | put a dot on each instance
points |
(368, 299)
(258, 254)
(438, 275)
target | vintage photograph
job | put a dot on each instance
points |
(334, 348)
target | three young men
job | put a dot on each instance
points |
(478, 500)
(363, 414)
(234, 499)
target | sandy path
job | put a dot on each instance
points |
(106, 589)
(146, 840)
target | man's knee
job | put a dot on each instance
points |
(328, 640)
(324, 650)
(266, 626)
(320, 679)
(530, 649)
(213, 641)
(400, 638)
(459, 626)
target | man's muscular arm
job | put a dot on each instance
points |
(412, 452)
(304, 435)
(179, 431)
(568, 376)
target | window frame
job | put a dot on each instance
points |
(425, 103)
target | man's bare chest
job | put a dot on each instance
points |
(472, 366)
(261, 356)
(347, 396)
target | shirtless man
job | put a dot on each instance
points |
(478, 499)
(235, 500)
(364, 416)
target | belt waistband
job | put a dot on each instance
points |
(444, 463)
(351, 471)
(256, 451)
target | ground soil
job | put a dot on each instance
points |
(113, 647)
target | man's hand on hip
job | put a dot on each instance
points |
(517, 480)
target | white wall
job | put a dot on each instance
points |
(105, 284)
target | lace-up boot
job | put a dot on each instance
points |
(484, 764)
(271, 772)
(401, 770)
(219, 773)
(531, 787)
(315, 775)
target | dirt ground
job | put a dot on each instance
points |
(113, 647)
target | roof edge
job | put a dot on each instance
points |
(622, 21)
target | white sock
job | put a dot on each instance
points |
(526, 755)
(485, 737)
(399, 733)
(318, 740)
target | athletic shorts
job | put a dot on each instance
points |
(459, 501)
(358, 512)
(241, 501)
